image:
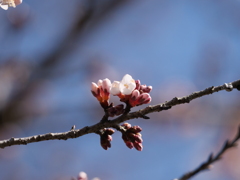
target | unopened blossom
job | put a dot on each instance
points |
(4, 4)
(144, 98)
(105, 89)
(137, 99)
(138, 83)
(133, 99)
(101, 91)
(145, 89)
(127, 85)
(82, 176)
(106, 138)
(96, 91)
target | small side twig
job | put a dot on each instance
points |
(211, 159)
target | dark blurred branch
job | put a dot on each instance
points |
(211, 159)
(106, 124)
(89, 16)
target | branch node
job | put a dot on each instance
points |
(228, 87)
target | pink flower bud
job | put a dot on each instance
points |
(138, 84)
(138, 146)
(133, 99)
(109, 131)
(106, 84)
(105, 141)
(144, 98)
(135, 129)
(125, 137)
(129, 144)
(82, 176)
(17, 2)
(148, 89)
(142, 87)
(126, 125)
(99, 83)
(95, 90)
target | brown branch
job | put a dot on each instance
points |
(106, 124)
(211, 159)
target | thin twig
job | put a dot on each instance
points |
(107, 124)
(211, 159)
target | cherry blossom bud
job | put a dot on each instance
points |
(133, 99)
(148, 89)
(138, 84)
(136, 129)
(106, 85)
(144, 98)
(105, 141)
(127, 85)
(105, 89)
(142, 87)
(129, 144)
(126, 125)
(135, 138)
(106, 138)
(127, 141)
(109, 131)
(95, 90)
(115, 88)
(135, 95)
(138, 146)
(99, 83)
(82, 176)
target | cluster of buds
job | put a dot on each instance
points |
(106, 138)
(128, 90)
(132, 136)
(132, 93)
(4, 4)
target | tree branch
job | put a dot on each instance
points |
(211, 159)
(107, 124)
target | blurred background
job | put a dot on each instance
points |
(51, 51)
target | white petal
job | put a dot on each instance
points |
(115, 88)
(127, 78)
(94, 87)
(5, 7)
(127, 85)
(106, 84)
(99, 83)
